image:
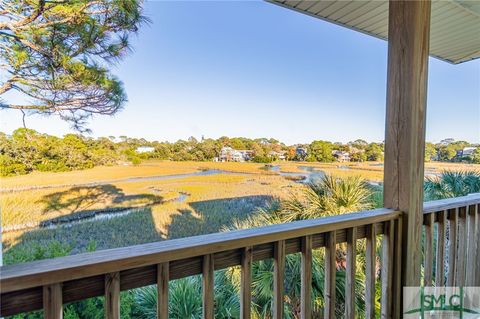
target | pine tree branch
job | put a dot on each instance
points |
(36, 13)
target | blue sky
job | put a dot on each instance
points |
(254, 69)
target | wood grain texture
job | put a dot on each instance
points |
(278, 279)
(387, 270)
(306, 278)
(246, 284)
(397, 286)
(440, 255)
(452, 245)
(52, 301)
(477, 239)
(408, 47)
(472, 243)
(449, 203)
(42, 272)
(330, 275)
(163, 278)
(461, 257)
(138, 271)
(350, 273)
(428, 253)
(370, 263)
(112, 295)
(208, 302)
(78, 289)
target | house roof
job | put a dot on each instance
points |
(454, 32)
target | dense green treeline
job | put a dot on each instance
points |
(26, 150)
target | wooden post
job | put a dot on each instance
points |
(330, 275)
(52, 301)
(306, 277)
(350, 273)
(112, 296)
(278, 279)
(246, 283)
(386, 271)
(408, 47)
(208, 287)
(163, 277)
(370, 268)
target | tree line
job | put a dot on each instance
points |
(27, 150)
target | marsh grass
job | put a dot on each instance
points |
(211, 202)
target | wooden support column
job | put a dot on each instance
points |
(408, 47)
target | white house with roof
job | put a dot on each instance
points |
(228, 154)
(341, 156)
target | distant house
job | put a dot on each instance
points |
(228, 154)
(341, 156)
(300, 153)
(278, 155)
(467, 151)
(145, 149)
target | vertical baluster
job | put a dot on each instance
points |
(477, 241)
(163, 277)
(330, 274)
(471, 245)
(370, 262)
(53, 301)
(350, 275)
(246, 283)
(428, 267)
(306, 289)
(397, 270)
(278, 279)
(208, 286)
(440, 256)
(452, 245)
(461, 249)
(387, 270)
(112, 295)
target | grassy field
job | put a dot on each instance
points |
(159, 208)
(165, 208)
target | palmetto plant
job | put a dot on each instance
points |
(328, 196)
(186, 299)
(452, 184)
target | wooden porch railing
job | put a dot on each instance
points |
(48, 284)
(452, 242)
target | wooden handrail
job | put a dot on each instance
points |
(24, 286)
(44, 272)
(83, 275)
(450, 203)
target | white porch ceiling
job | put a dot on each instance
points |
(454, 32)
